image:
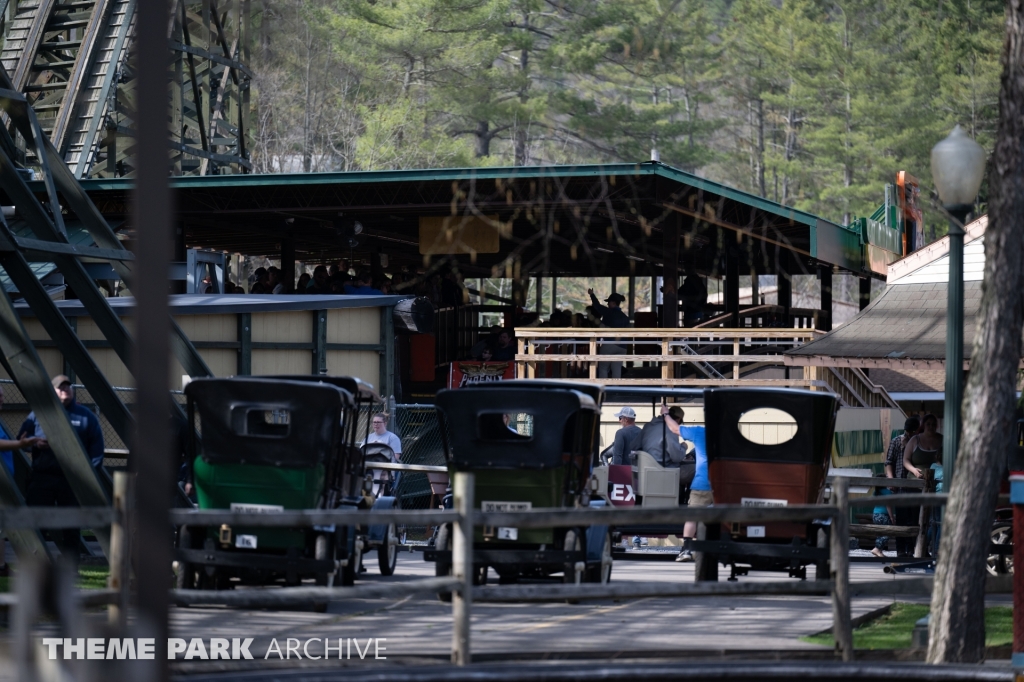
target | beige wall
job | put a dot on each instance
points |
(344, 325)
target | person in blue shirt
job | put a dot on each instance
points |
(7, 448)
(882, 515)
(700, 488)
(48, 486)
(363, 286)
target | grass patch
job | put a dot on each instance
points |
(89, 578)
(93, 578)
(893, 631)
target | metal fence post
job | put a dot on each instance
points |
(1017, 499)
(119, 551)
(840, 569)
(462, 568)
(924, 517)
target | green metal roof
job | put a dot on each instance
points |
(648, 168)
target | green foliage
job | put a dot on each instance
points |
(894, 630)
(813, 103)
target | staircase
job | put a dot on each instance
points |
(82, 116)
(854, 388)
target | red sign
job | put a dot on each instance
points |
(469, 372)
(620, 485)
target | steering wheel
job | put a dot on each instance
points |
(606, 456)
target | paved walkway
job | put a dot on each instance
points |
(418, 628)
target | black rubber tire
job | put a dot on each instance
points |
(387, 553)
(185, 579)
(573, 542)
(324, 550)
(480, 576)
(1000, 564)
(822, 569)
(705, 564)
(443, 544)
(601, 573)
(351, 569)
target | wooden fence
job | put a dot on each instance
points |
(705, 350)
(463, 519)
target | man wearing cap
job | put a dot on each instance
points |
(660, 437)
(627, 439)
(611, 316)
(48, 486)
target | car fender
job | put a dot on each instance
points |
(377, 533)
(595, 537)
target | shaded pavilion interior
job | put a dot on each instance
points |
(614, 220)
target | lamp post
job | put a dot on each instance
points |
(958, 164)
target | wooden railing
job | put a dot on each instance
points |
(574, 353)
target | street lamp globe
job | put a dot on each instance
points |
(958, 166)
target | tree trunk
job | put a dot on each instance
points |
(483, 139)
(957, 630)
(760, 147)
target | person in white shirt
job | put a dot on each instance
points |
(276, 286)
(380, 434)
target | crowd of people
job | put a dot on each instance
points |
(497, 346)
(919, 447)
(673, 445)
(47, 484)
(443, 289)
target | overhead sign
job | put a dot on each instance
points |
(446, 235)
(469, 372)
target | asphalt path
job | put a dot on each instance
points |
(419, 630)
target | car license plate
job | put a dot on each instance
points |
(762, 502)
(755, 531)
(508, 533)
(504, 506)
(245, 541)
(252, 508)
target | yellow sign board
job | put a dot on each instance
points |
(449, 235)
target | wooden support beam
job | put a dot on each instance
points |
(825, 319)
(244, 366)
(732, 286)
(670, 272)
(865, 291)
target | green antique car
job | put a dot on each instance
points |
(264, 445)
(528, 447)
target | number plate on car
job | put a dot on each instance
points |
(508, 533)
(245, 541)
(252, 508)
(504, 506)
(755, 531)
(762, 502)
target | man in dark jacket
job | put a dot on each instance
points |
(613, 317)
(627, 439)
(48, 486)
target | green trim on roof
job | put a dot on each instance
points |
(647, 168)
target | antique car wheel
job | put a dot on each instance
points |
(480, 576)
(387, 553)
(351, 569)
(602, 572)
(705, 564)
(571, 575)
(185, 579)
(324, 550)
(443, 544)
(573, 543)
(822, 569)
(1001, 564)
